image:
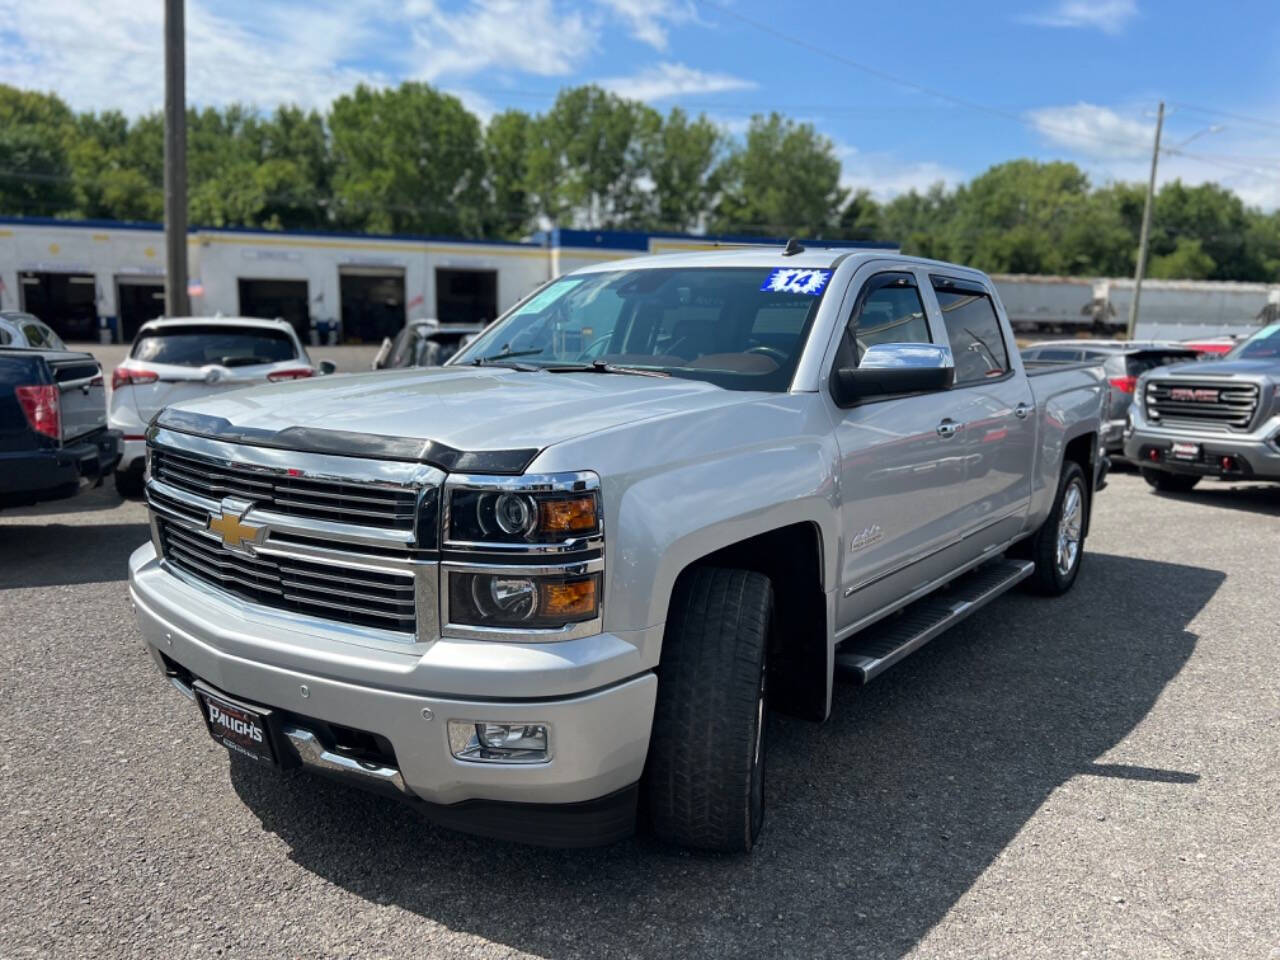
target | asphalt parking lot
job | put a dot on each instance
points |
(1094, 776)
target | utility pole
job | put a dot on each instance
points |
(175, 161)
(1146, 228)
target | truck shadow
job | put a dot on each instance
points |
(1255, 498)
(879, 820)
(39, 554)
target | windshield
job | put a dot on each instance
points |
(201, 344)
(740, 328)
(1263, 345)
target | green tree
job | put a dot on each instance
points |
(785, 178)
(1187, 261)
(683, 167)
(861, 218)
(35, 166)
(507, 142)
(587, 160)
(408, 160)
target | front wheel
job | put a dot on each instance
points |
(1167, 482)
(705, 778)
(1058, 546)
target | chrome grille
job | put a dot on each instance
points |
(1202, 403)
(370, 598)
(366, 504)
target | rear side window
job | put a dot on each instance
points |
(5, 338)
(974, 332)
(35, 335)
(1137, 364)
(1058, 355)
(199, 345)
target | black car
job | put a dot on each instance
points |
(424, 343)
(54, 440)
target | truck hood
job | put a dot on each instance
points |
(472, 409)
(1219, 368)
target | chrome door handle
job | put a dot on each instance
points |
(947, 428)
(1022, 410)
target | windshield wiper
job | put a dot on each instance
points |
(501, 360)
(603, 366)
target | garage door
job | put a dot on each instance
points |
(269, 299)
(68, 302)
(372, 303)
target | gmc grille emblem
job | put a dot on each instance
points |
(1193, 394)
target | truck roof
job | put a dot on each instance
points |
(812, 257)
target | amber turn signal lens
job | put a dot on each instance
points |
(573, 600)
(567, 516)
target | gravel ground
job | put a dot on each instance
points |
(1092, 776)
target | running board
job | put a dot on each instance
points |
(870, 652)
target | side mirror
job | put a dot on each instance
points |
(327, 367)
(887, 369)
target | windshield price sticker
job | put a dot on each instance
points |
(792, 280)
(550, 295)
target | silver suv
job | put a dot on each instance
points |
(1124, 362)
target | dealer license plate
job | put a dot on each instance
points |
(1185, 451)
(237, 726)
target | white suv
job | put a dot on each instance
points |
(186, 357)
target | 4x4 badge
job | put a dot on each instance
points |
(236, 535)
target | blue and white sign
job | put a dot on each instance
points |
(792, 280)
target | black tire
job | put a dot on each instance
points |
(704, 784)
(1050, 578)
(1167, 482)
(129, 484)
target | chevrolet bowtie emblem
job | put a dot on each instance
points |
(236, 534)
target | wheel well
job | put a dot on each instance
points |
(1084, 451)
(791, 557)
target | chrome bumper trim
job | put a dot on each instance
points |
(314, 756)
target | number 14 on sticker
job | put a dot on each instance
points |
(792, 280)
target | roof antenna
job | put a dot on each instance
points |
(792, 248)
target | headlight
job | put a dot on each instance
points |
(522, 555)
(511, 599)
(536, 511)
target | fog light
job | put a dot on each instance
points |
(490, 742)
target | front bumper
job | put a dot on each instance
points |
(1253, 456)
(33, 476)
(591, 693)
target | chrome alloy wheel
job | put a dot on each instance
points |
(1070, 525)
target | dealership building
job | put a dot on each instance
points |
(98, 281)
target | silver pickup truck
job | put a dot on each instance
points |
(1218, 418)
(566, 577)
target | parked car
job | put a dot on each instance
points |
(183, 357)
(54, 440)
(1217, 418)
(584, 560)
(1124, 361)
(424, 343)
(18, 329)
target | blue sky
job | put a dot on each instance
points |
(910, 92)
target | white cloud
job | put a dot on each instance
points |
(525, 36)
(664, 80)
(886, 175)
(650, 19)
(1109, 16)
(1093, 131)
(291, 51)
(116, 62)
